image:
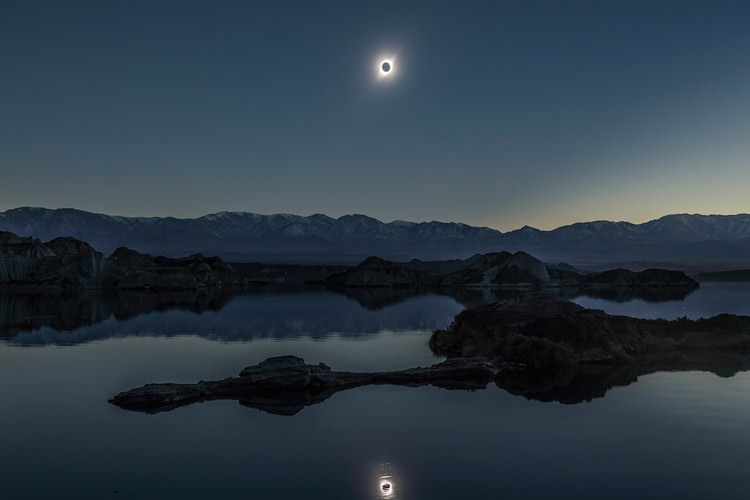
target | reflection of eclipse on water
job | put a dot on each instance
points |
(386, 489)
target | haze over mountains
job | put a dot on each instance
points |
(709, 241)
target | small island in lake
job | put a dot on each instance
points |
(536, 345)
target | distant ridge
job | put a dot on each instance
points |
(684, 240)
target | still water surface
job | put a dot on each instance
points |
(669, 435)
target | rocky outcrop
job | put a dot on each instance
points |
(482, 270)
(534, 345)
(378, 273)
(541, 331)
(134, 270)
(650, 278)
(520, 269)
(69, 263)
(284, 385)
(62, 262)
(499, 270)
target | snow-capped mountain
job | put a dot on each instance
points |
(243, 235)
(684, 239)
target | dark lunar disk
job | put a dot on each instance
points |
(386, 67)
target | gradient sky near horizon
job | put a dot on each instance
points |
(500, 113)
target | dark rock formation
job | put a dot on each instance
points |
(69, 263)
(284, 385)
(499, 270)
(533, 345)
(376, 272)
(63, 262)
(134, 270)
(542, 331)
(650, 278)
(521, 269)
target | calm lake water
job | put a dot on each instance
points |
(668, 435)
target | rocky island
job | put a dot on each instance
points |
(542, 331)
(284, 385)
(498, 270)
(535, 345)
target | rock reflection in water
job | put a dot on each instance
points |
(67, 312)
(583, 383)
(376, 298)
(626, 294)
(226, 315)
(28, 312)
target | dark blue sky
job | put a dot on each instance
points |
(499, 113)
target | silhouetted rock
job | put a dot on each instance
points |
(134, 270)
(650, 278)
(542, 331)
(69, 263)
(534, 345)
(504, 269)
(63, 262)
(500, 269)
(284, 385)
(377, 272)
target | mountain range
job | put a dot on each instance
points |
(684, 241)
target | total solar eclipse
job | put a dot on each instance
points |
(386, 67)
